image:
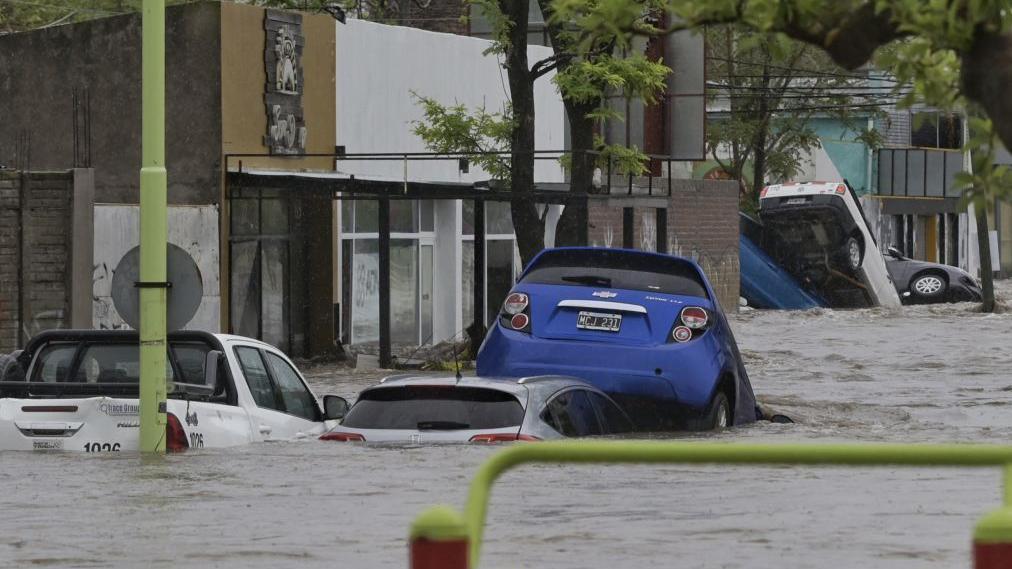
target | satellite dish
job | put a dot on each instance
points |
(183, 296)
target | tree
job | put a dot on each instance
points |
(25, 16)
(584, 77)
(774, 88)
(950, 53)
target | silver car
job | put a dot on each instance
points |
(419, 409)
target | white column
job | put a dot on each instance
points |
(447, 276)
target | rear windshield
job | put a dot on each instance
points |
(436, 408)
(114, 363)
(617, 269)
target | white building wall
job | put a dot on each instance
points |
(378, 68)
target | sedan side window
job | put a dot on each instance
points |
(572, 414)
(257, 379)
(613, 419)
(298, 400)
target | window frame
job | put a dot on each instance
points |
(560, 393)
(275, 385)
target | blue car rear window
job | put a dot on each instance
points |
(617, 269)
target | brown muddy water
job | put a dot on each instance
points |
(938, 373)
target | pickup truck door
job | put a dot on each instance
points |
(280, 404)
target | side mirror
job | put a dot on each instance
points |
(211, 369)
(334, 407)
(895, 253)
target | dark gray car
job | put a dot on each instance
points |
(430, 409)
(924, 282)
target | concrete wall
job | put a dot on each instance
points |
(45, 256)
(40, 70)
(702, 220)
(379, 66)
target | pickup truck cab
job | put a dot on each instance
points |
(79, 391)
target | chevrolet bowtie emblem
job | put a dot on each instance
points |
(604, 294)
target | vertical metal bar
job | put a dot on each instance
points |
(385, 357)
(662, 229)
(153, 229)
(1007, 476)
(628, 226)
(479, 269)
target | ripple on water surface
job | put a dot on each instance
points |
(929, 373)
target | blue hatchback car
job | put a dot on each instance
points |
(643, 327)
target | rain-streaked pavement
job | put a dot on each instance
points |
(936, 373)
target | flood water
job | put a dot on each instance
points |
(933, 374)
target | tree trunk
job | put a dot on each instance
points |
(759, 146)
(986, 271)
(528, 225)
(573, 225)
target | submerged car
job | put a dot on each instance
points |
(926, 282)
(79, 391)
(645, 328)
(817, 232)
(420, 409)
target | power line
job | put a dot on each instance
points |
(815, 72)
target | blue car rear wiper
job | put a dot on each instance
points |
(589, 280)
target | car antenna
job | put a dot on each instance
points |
(456, 363)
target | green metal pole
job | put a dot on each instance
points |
(153, 229)
(995, 527)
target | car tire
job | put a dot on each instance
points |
(853, 252)
(928, 286)
(719, 414)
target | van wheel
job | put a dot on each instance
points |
(853, 251)
(719, 415)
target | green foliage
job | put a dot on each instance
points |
(498, 23)
(633, 76)
(24, 15)
(776, 88)
(987, 181)
(923, 43)
(455, 129)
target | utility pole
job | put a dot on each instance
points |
(153, 285)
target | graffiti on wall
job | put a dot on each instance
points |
(117, 230)
(286, 128)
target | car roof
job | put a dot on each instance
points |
(512, 385)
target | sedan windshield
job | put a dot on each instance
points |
(603, 268)
(438, 407)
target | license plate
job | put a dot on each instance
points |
(796, 201)
(599, 321)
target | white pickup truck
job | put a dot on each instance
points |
(78, 390)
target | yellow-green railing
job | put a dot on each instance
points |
(442, 523)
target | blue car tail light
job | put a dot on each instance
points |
(692, 323)
(515, 313)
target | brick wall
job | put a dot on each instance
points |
(10, 192)
(35, 254)
(702, 219)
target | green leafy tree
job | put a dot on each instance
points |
(774, 88)
(950, 53)
(26, 15)
(585, 76)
